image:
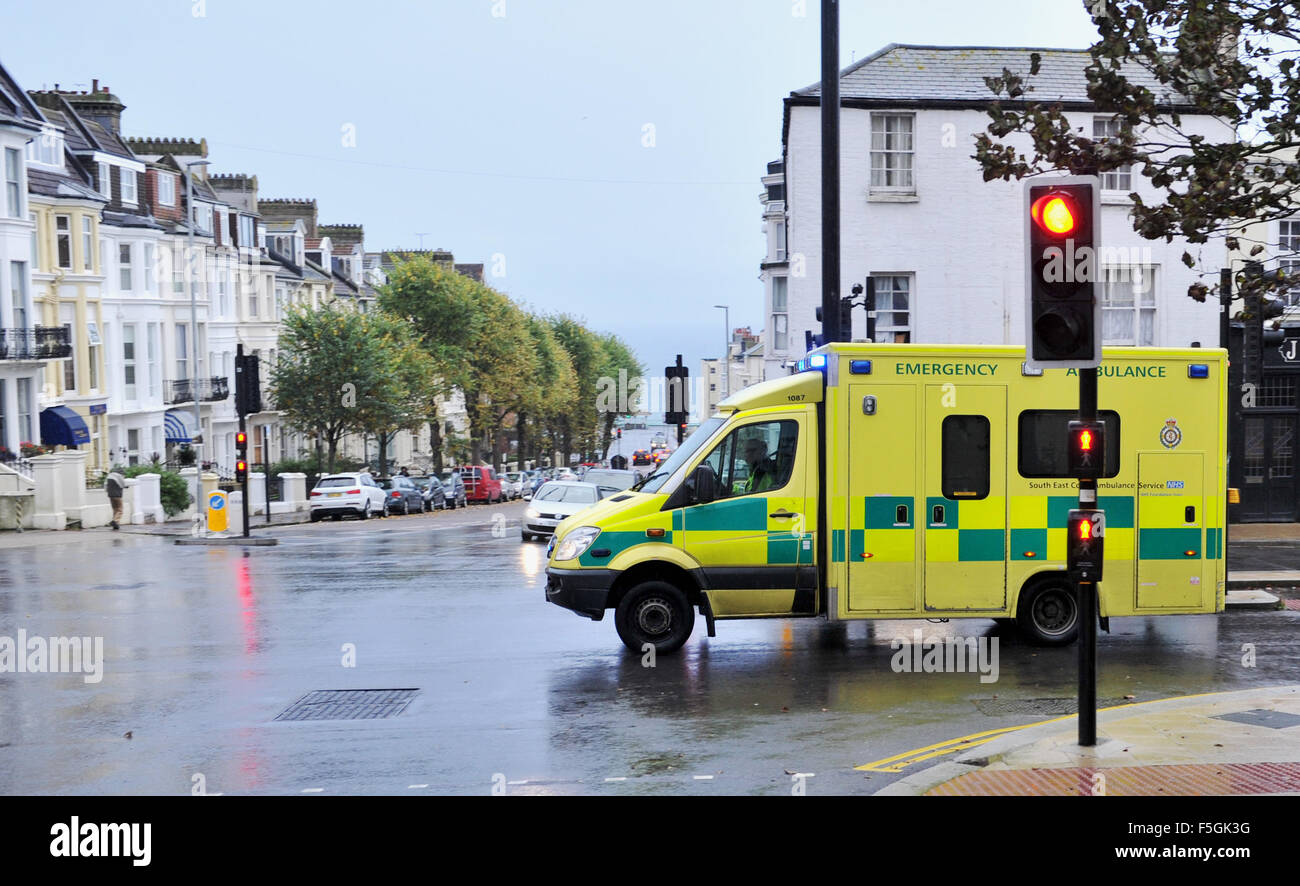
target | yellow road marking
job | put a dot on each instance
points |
(899, 762)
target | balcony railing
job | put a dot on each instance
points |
(38, 343)
(210, 390)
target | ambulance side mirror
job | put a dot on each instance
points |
(705, 482)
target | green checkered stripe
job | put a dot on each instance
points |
(975, 543)
(1120, 514)
(616, 543)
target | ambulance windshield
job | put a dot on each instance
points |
(684, 453)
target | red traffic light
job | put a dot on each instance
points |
(1056, 213)
(241, 466)
(1085, 441)
(241, 439)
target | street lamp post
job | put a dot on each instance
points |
(199, 527)
(726, 351)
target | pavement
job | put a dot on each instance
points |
(1228, 743)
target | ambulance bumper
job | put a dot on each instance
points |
(584, 591)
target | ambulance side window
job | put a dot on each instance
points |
(1042, 439)
(966, 446)
(755, 458)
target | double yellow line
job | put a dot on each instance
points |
(899, 762)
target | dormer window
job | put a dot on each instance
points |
(46, 149)
(166, 189)
(130, 195)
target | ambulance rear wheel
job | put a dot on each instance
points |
(657, 613)
(1049, 613)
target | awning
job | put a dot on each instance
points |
(178, 426)
(60, 426)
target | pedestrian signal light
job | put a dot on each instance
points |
(241, 471)
(1087, 449)
(241, 441)
(1086, 544)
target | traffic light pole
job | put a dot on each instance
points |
(830, 124)
(1086, 591)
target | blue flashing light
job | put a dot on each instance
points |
(1198, 370)
(817, 361)
(860, 367)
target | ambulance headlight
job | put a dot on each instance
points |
(575, 544)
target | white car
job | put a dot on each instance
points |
(555, 502)
(512, 485)
(338, 495)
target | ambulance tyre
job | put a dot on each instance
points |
(654, 612)
(1049, 613)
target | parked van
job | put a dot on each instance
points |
(482, 485)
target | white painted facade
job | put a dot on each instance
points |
(21, 380)
(958, 242)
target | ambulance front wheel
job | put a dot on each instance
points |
(1049, 613)
(657, 613)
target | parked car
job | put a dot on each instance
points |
(555, 502)
(512, 484)
(534, 483)
(431, 492)
(402, 495)
(641, 457)
(609, 481)
(338, 495)
(454, 489)
(481, 485)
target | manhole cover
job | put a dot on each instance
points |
(996, 707)
(1271, 719)
(349, 704)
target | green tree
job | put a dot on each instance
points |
(553, 393)
(620, 374)
(330, 363)
(574, 430)
(402, 396)
(1232, 59)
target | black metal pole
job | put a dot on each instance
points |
(1225, 301)
(1086, 590)
(830, 99)
(871, 309)
(241, 385)
(681, 399)
(266, 473)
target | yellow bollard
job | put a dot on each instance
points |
(217, 512)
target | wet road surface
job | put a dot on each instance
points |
(205, 647)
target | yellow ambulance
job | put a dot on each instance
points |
(914, 481)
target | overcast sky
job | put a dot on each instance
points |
(517, 135)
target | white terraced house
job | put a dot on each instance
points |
(946, 248)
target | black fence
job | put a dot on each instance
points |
(37, 343)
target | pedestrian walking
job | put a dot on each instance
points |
(115, 485)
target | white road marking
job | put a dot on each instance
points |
(617, 778)
(313, 790)
(703, 777)
(412, 787)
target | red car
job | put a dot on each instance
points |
(481, 485)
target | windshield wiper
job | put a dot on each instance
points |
(641, 483)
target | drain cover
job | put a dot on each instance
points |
(1271, 719)
(349, 704)
(995, 707)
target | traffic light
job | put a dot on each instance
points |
(677, 378)
(620, 433)
(1086, 544)
(846, 324)
(1062, 311)
(241, 456)
(1087, 450)
(248, 387)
